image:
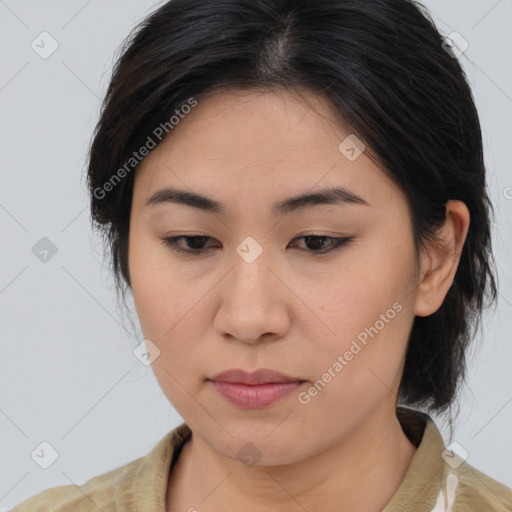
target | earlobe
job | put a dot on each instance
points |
(439, 261)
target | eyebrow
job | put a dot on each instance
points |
(330, 195)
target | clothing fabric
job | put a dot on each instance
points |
(436, 480)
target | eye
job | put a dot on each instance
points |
(318, 241)
(196, 243)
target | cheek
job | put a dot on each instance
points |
(169, 306)
(150, 284)
(366, 319)
(360, 369)
(167, 319)
(353, 299)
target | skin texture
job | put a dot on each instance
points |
(289, 310)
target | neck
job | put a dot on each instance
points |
(361, 472)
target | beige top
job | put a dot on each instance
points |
(436, 480)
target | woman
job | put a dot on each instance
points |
(295, 195)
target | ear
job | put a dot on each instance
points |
(439, 262)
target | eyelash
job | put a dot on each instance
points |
(172, 243)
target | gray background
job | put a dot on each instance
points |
(68, 373)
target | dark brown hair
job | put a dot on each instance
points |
(387, 76)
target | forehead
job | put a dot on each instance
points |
(260, 145)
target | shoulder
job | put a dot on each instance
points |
(474, 490)
(140, 484)
(440, 480)
(96, 494)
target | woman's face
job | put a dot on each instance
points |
(255, 293)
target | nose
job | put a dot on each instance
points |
(254, 302)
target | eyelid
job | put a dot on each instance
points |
(172, 243)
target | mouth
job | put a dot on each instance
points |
(261, 376)
(254, 390)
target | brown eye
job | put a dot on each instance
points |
(194, 245)
(316, 243)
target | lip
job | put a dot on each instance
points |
(255, 390)
(261, 376)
